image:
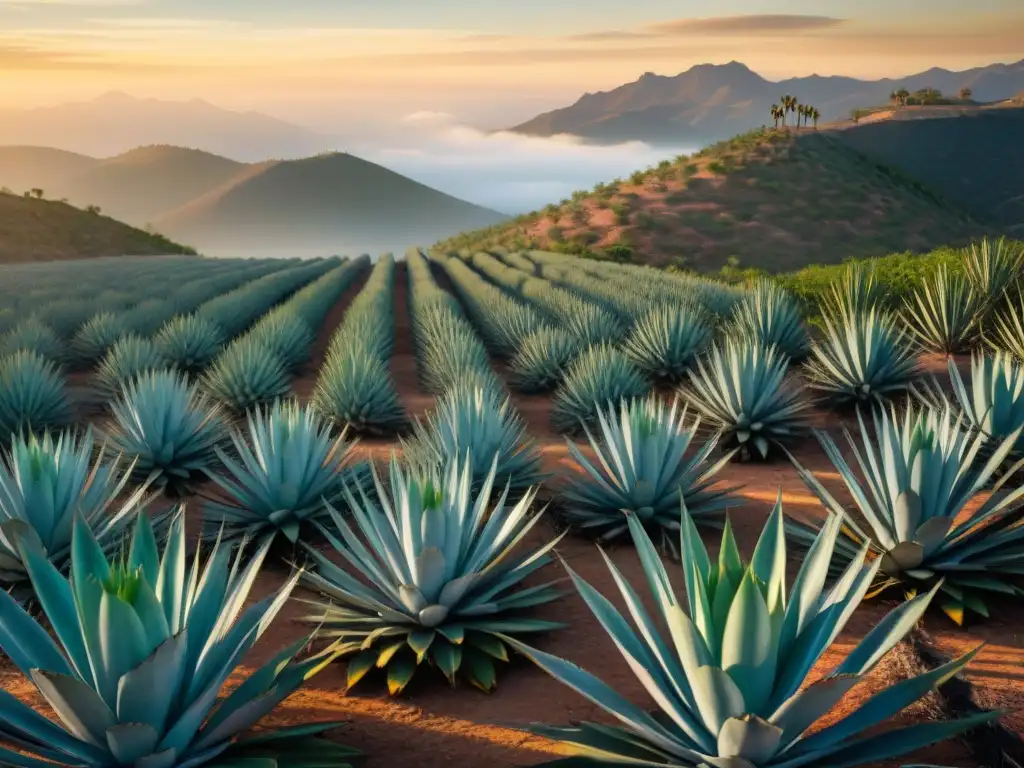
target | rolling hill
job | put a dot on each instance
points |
(46, 230)
(319, 205)
(773, 199)
(710, 102)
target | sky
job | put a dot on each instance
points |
(425, 78)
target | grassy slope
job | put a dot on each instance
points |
(44, 230)
(773, 199)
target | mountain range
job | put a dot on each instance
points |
(711, 102)
(320, 205)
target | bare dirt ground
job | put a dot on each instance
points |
(433, 725)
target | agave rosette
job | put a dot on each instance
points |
(743, 390)
(1008, 328)
(33, 395)
(922, 473)
(168, 429)
(770, 315)
(94, 339)
(642, 470)
(482, 422)
(728, 681)
(864, 357)
(287, 335)
(130, 356)
(541, 361)
(33, 335)
(191, 342)
(600, 375)
(288, 466)
(143, 646)
(439, 577)
(993, 267)
(45, 483)
(943, 313)
(355, 389)
(667, 340)
(247, 374)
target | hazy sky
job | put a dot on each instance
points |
(487, 62)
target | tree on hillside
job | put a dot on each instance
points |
(777, 114)
(815, 114)
(36, 193)
(899, 97)
(788, 104)
(966, 93)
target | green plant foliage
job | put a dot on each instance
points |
(742, 389)
(31, 335)
(190, 342)
(600, 376)
(943, 314)
(922, 471)
(355, 390)
(286, 335)
(1008, 325)
(33, 395)
(667, 340)
(168, 430)
(247, 374)
(144, 645)
(437, 577)
(288, 467)
(130, 356)
(544, 356)
(94, 339)
(770, 316)
(642, 470)
(729, 679)
(993, 267)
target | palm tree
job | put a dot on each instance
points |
(965, 94)
(776, 114)
(902, 95)
(815, 114)
(788, 103)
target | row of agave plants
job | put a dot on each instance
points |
(425, 568)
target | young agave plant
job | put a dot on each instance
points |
(33, 395)
(45, 483)
(729, 679)
(993, 266)
(1008, 328)
(943, 314)
(168, 429)
(247, 374)
(130, 356)
(856, 293)
(480, 421)
(864, 357)
(190, 342)
(94, 339)
(32, 335)
(540, 364)
(771, 315)
(287, 335)
(355, 389)
(741, 389)
(288, 466)
(439, 578)
(143, 647)
(668, 340)
(921, 475)
(600, 375)
(643, 472)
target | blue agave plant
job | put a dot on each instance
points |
(667, 341)
(33, 395)
(601, 375)
(130, 356)
(32, 335)
(190, 342)
(247, 374)
(143, 646)
(97, 336)
(354, 389)
(542, 359)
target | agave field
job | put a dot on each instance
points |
(508, 509)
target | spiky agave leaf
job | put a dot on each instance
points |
(438, 576)
(922, 473)
(32, 335)
(1008, 328)
(190, 342)
(448, 347)
(247, 374)
(482, 422)
(642, 470)
(943, 313)
(993, 267)
(542, 359)
(45, 483)
(771, 316)
(856, 293)
(168, 429)
(94, 339)
(130, 356)
(667, 341)
(728, 681)
(287, 335)
(33, 395)
(590, 323)
(600, 375)
(144, 646)
(355, 389)
(864, 357)
(289, 466)
(742, 389)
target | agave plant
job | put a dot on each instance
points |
(168, 429)
(943, 314)
(542, 359)
(287, 335)
(247, 374)
(856, 293)
(32, 335)
(288, 466)
(643, 472)
(601, 375)
(667, 341)
(439, 578)
(144, 646)
(33, 395)
(729, 679)
(921, 475)
(45, 483)
(130, 356)
(190, 342)
(771, 316)
(94, 339)
(355, 389)
(863, 357)
(1008, 328)
(741, 389)
(482, 422)
(992, 268)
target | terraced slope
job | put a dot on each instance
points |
(773, 199)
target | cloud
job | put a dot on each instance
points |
(28, 59)
(507, 171)
(751, 24)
